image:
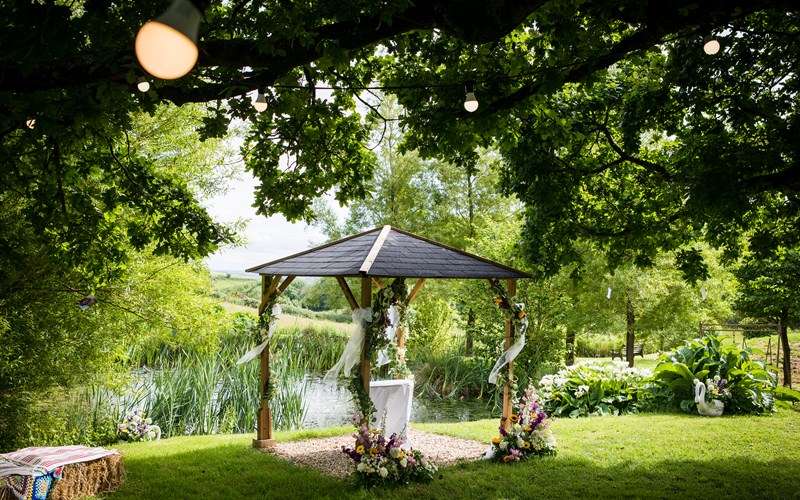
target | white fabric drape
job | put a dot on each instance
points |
(254, 352)
(512, 352)
(391, 333)
(352, 351)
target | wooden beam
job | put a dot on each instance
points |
(266, 283)
(378, 282)
(286, 283)
(507, 409)
(366, 301)
(376, 248)
(415, 290)
(348, 294)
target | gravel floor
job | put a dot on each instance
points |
(326, 454)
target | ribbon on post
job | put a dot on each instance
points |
(352, 351)
(391, 333)
(256, 351)
(512, 352)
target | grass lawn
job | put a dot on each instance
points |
(636, 456)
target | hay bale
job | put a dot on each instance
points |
(85, 479)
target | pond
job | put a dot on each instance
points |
(330, 405)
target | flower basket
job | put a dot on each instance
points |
(713, 408)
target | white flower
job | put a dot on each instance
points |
(148, 421)
(716, 378)
(404, 462)
(383, 472)
(503, 445)
(394, 452)
(520, 442)
(360, 467)
(518, 428)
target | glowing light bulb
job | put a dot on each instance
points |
(711, 45)
(470, 102)
(143, 85)
(260, 103)
(167, 46)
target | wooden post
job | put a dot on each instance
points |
(401, 331)
(264, 418)
(366, 301)
(507, 409)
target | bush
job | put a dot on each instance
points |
(596, 388)
(752, 384)
(596, 345)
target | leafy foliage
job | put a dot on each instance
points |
(596, 388)
(751, 383)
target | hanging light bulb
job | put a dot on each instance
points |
(261, 102)
(470, 102)
(711, 45)
(143, 85)
(30, 122)
(167, 46)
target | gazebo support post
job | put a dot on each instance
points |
(507, 409)
(264, 439)
(364, 366)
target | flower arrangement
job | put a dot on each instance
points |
(595, 388)
(136, 427)
(379, 461)
(716, 389)
(530, 432)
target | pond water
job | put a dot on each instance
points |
(331, 405)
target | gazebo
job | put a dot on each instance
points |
(373, 256)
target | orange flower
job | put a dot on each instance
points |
(496, 440)
(498, 300)
(521, 314)
(373, 451)
(507, 458)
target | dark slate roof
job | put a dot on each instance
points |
(401, 254)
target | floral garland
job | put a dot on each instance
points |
(375, 340)
(514, 312)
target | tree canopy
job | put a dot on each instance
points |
(611, 120)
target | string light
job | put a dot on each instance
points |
(470, 101)
(711, 45)
(261, 102)
(30, 122)
(143, 84)
(167, 46)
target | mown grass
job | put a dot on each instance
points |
(635, 456)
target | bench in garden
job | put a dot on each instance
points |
(638, 350)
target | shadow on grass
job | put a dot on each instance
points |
(234, 471)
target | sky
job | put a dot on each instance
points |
(268, 239)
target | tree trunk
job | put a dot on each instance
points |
(470, 329)
(570, 358)
(787, 357)
(629, 336)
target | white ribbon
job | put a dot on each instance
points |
(256, 351)
(512, 352)
(352, 351)
(391, 333)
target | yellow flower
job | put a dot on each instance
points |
(527, 428)
(507, 458)
(373, 451)
(498, 300)
(521, 314)
(400, 455)
(360, 448)
(527, 445)
(514, 418)
(496, 440)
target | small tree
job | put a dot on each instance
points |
(768, 290)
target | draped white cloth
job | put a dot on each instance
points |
(392, 400)
(512, 352)
(391, 333)
(254, 352)
(352, 351)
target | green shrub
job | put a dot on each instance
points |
(753, 385)
(596, 388)
(597, 345)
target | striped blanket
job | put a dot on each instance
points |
(30, 473)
